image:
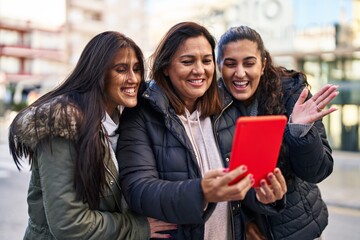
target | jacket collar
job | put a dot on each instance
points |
(157, 98)
(225, 95)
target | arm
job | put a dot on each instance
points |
(69, 218)
(310, 154)
(140, 149)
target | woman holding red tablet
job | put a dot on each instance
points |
(170, 165)
(253, 86)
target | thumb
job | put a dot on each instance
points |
(216, 173)
(302, 96)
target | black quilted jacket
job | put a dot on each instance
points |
(159, 173)
(309, 160)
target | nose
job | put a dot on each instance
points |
(132, 77)
(199, 68)
(240, 72)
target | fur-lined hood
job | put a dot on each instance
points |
(57, 117)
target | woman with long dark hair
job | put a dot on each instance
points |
(69, 136)
(252, 85)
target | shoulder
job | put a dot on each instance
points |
(58, 117)
(292, 79)
(224, 95)
(293, 82)
(154, 98)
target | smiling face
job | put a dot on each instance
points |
(191, 70)
(241, 69)
(122, 80)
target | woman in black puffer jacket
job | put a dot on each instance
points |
(170, 165)
(252, 86)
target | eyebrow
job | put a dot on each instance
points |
(246, 58)
(122, 64)
(191, 56)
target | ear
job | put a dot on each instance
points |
(263, 66)
(166, 72)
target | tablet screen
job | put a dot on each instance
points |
(256, 144)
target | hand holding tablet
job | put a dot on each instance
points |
(256, 144)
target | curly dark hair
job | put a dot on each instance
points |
(269, 92)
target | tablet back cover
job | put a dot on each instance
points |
(256, 144)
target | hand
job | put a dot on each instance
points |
(253, 232)
(275, 191)
(158, 226)
(307, 112)
(215, 185)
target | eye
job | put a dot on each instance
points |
(187, 62)
(230, 64)
(249, 63)
(137, 69)
(207, 61)
(121, 69)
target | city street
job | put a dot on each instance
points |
(340, 191)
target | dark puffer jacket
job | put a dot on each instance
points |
(159, 173)
(310, 161)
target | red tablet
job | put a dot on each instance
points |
(256, 144)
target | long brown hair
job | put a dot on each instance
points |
(84, 89)
(209, 103)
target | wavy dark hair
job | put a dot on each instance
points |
(269, 92)
(84, 88)
(209, 103)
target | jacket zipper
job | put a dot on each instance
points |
(269, 229)
(217, 144)
(117, 184)
(217, 119)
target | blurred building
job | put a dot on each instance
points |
(85, 19)
(298, 33)
(36, 56)
(30, 56)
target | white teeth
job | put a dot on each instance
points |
(196, 81)
(129, 90)
(240, 84)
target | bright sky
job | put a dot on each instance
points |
(49, 12)
(317, 13)
(52, 12)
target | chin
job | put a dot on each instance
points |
(130, 104)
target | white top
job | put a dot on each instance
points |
(201, 135)
(111, 125)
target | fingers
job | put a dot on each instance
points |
(281, 179)
(325, 99)
(157, 226)
(216, 188)
(320, 92)
(264, 193)
(160, 235)
(238, 191)
(216, 173)
(302, 96)
(234, 174)
(275, 190)
(325, 95)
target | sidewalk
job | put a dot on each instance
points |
(342, 187)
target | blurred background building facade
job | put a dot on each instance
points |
(318, 37)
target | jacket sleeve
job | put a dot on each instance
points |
(180, 202)
(252, 203)
(310, 156)
(69, 218)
